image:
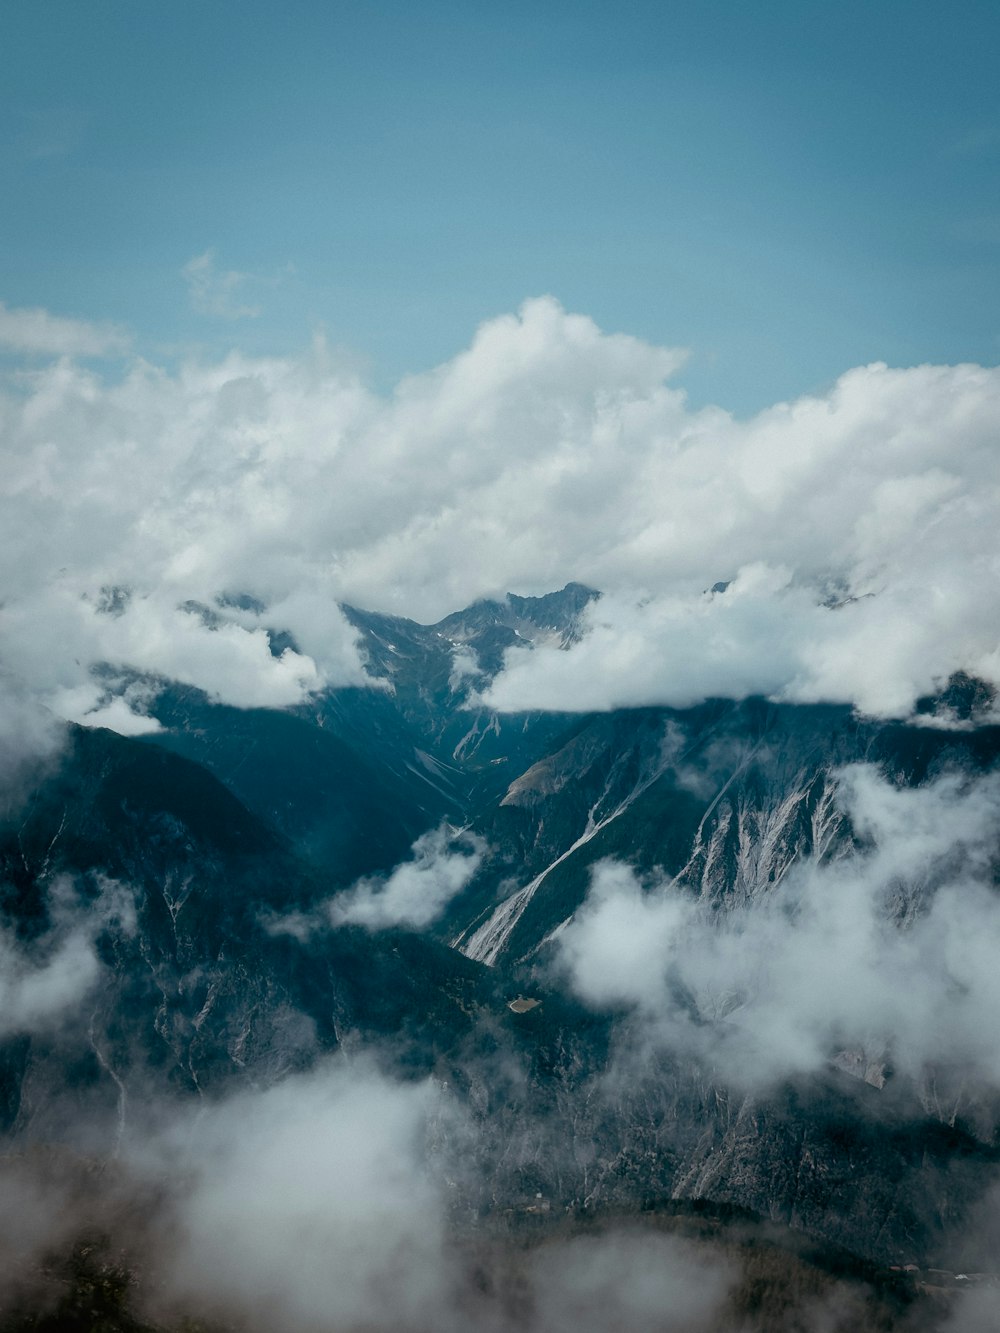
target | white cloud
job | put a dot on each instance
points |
(618, 945)
(34, 332)
(30, 738)
(327, 1201)
(309, 1205)
(117, 715)
(891, 949)
(214, 291)
(975, 1310)
(415, 894)
(854, 499)
(417, 891)
(33, 995)
(324, 1202)
(674, 648)
(630, 1283)
(546, 452)
(43, 982)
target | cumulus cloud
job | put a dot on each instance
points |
(34, 332)
(856, 528)
(857, 553)
(113, 532)
(888, 952)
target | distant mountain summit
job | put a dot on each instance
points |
(487, 628)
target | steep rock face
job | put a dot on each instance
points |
(192, 988)
(435, 671)
(724, 799)
(355, 776)
(177, 993)
(346, 806)
(853, 1169)
(553, 820)
(830, 1156)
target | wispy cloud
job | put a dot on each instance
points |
(44, 982)
(34, 332)
(217, 292)
(442, 863)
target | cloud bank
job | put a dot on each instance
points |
(329, 1201)
(889, 952)
(309, 1205)
(856, 528)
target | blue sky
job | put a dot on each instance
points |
(788, 188)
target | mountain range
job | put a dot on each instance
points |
(229, 881)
